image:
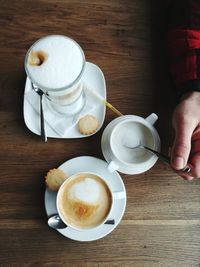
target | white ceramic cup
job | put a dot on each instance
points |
(130, 130)
(114, 196)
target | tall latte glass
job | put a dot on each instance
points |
(55, 64)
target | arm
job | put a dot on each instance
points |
(184, 49)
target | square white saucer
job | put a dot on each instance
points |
(94, 78)
(98, 166)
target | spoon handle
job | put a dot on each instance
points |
(160, 155)
(43, 133)
(166, 159)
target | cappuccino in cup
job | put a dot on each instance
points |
(84, 201)
(55, 64)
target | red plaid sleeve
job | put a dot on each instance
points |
(184, 46)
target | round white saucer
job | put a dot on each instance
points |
(98, 166)
(93, 78)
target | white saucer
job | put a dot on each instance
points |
(91, 164)
(94, 78)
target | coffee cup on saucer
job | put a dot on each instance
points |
(55, 64)
(127, 132)
(85, 201)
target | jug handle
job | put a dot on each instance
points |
(152, 118)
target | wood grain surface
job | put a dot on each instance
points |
(125, 38)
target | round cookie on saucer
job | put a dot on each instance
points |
(54, 179)
(88, 125)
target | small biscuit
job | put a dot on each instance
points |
(55, 178)
(88, 125)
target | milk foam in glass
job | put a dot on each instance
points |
(55, 64)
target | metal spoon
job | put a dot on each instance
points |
(56, 222)
(161, 156)
(40, 93)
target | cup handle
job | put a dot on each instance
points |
(119, 195)
(151, 118)
(112, 166)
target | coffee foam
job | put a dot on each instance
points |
(63, 63)
(87, 190)
(85, 201)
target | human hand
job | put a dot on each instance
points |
(186, 146)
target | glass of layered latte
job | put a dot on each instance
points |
(55, 64)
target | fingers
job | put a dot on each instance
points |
(186, 147)
(182, 145)
(187, 175)
(195, 170)
(194, 163)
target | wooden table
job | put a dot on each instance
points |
(161, 224)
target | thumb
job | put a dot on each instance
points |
(182, 145)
